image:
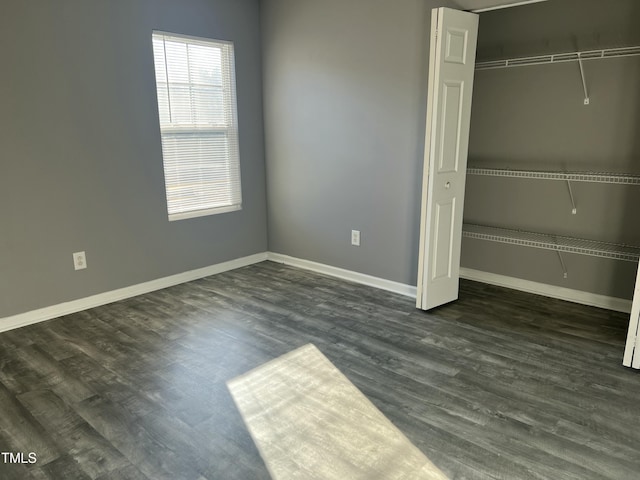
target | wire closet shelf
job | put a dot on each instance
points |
(556, 243)
(560, 58)
(592, 177)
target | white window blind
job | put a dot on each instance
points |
(195, 81)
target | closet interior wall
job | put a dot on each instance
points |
(534, 118)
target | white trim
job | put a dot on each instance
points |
(54, 311)
(193, 38)
(562, 293)
(204, 212)
(507, 5)
(362, 278)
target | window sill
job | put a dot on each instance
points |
(204, 213)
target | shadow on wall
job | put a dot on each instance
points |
(543, 28)
(421, 121)
(631, 99)
(549, 128)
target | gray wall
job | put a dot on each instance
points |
(534, 118)
(80, 147)
(345, 96)
(345, 87)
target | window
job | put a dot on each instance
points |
(195, 82)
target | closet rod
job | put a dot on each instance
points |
(560, 58)
(556, 243)
(592, 177)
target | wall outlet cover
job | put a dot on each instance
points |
(79, 260)
(355, 237)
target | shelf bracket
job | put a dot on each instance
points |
(565, 274)
(584, 81)
(574, 210)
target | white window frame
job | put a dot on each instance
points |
(179, 159)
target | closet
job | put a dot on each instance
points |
(553, 178)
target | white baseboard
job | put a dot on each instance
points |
(54, 311)
(562, 293)
(356, 277)
(47, 313)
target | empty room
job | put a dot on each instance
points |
(319, 239)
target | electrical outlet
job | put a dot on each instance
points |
(355, 237)
(79, 260)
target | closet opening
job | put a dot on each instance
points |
(553, 172)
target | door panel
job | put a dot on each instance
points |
(451, 69)
(442, 248)
(457, 41)
(632, 347)
(449, 152)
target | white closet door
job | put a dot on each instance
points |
(632, 348)
(451, 68)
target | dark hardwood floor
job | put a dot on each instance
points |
(500, 384)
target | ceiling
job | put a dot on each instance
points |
(478, 5)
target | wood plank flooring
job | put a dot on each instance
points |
(498, 385)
